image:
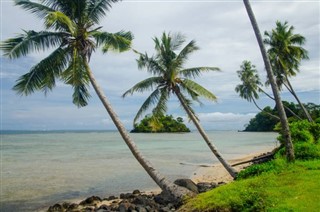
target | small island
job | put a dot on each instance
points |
(163, 124)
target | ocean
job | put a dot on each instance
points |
(39, 169)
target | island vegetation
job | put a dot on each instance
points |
(163, 124)
(265, 120)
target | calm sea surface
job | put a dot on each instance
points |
(41, 169)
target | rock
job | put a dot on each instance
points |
(127, 196)
(136, 191)
(91, 201)
(72, 207)
(141, 208)
(111, 198)
(187, 183)
(124, 206)
(203, 187)
(55, 207)
(104, 208)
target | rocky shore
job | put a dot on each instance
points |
(204, 179)
(135, 201)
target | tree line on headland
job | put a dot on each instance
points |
(72, 33)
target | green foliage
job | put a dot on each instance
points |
(305, 138)
(264, 122)
(161, 124)
(282, 187)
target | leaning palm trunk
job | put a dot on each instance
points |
(214, 150)
(175, 191)
(290, 89)
(282, 114)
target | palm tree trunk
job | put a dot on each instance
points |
(282, 114)
(214, 150)
(288, 109)
(270, 114)
(175, 191)
(290, 89)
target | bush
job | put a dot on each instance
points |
(307, 151)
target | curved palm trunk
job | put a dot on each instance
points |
(282, 114)
(175, 191)
(288, 109)
(214, 150)
(290, 89)
(270, 114)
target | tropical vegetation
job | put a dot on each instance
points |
(73, 33)
(274, 185)
(164, 124)
(264, 122)
(170, 77)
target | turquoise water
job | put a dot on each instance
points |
(40, 169)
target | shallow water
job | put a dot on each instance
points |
(40, 169)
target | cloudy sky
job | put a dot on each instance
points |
(222, 31)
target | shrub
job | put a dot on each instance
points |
(307, 151)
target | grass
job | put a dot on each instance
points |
(278, 187)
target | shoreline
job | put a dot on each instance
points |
(217, 173)
(214, 173)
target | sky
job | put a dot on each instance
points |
(221, 29)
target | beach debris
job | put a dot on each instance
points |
(187, 183)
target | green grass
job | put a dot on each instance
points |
(283, 187)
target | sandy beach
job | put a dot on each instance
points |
(217, 173)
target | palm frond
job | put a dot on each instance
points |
(161, 107)
(185, 52)
(60, 21)
(152, 99)
(31, 41)
(176, 41)
(119, 41)
(191, 93)
(201, 91)
(151, 64)
(98, 8)
(42, 76)
(38, 9)
(144, 85)
(196, 71)
(77, 76)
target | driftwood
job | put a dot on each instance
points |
(265, 157)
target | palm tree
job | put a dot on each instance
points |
(276, 94)
(170, 77)
(71, 30)
(285, 54)
(249, 89)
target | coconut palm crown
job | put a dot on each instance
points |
(70, 29)
(285, 51)
(169, 75)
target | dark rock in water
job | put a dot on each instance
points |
(72, 207)
(127, 196)
(111, 198)
(91, 200)
(203, 187)
(56, 207)
(187, 183)
(136, 191)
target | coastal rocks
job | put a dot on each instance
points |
(204, 187)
